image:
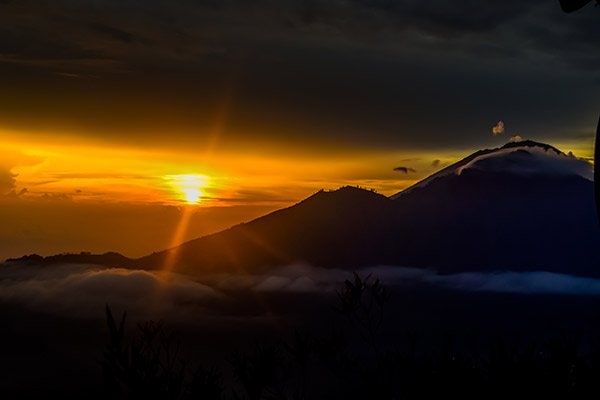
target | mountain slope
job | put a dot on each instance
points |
(334, 229)
(520, 158)
(524, 206)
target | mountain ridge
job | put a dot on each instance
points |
(493, 215)
(513, 146)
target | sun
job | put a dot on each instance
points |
(189, 187)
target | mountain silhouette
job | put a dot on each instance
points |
(334, 229)
(107, 259)
(525, 206)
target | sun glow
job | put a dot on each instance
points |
(189, 187)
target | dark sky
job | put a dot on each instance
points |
(308, 73)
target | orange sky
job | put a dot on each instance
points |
(68, 193)
(98, 172)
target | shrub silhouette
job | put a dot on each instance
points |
(150, 367)
(206, 384)
(260, 372)
(332, 366)
(362, 301)
(147, 367)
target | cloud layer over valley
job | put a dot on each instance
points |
(83, 290)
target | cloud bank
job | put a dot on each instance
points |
(77, 290)
(82, 291)
(533, 282)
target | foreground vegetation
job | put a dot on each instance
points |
(349, 362)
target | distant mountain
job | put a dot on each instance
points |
(107, 259)
(525, 158)
(525, 206)
(333, 229)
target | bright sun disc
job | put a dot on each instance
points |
(188, 187)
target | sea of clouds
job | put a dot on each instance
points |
(83, 290)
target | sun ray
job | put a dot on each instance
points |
(178, 237)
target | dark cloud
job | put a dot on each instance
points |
(113, 33)
(311, 71)
(194, 29)
(30, 45)
(451, 17)
(406, 170)
(59, 197)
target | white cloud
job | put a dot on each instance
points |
(82, 290)
(538, 282)
(534, 282)
(306, 278)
